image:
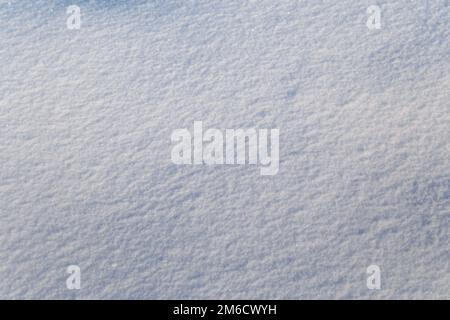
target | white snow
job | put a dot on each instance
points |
(86, 177)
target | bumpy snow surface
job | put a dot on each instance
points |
(86, 176)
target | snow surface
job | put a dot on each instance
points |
(85, 170)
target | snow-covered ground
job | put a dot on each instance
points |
(86, 177)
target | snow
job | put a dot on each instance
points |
(85, 171)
